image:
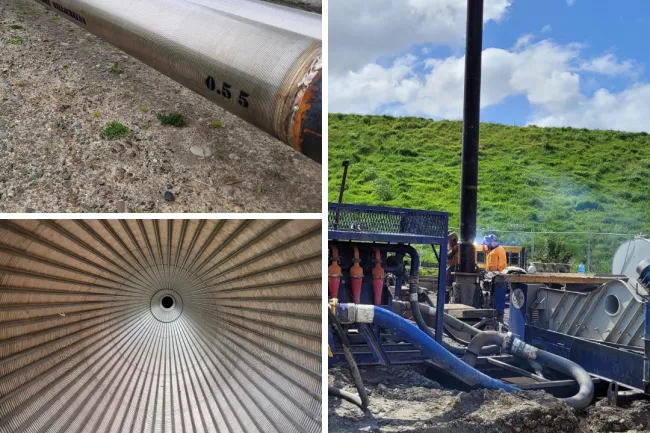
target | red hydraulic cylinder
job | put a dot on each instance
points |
(334, 273)
(378, 275)
(356, 277)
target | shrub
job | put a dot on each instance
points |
(173, 119)
(115, 69)
(114, 130)
(383, 189)
(369, 175)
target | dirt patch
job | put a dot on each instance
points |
(601, 417)
(403, 399)
(60, 86)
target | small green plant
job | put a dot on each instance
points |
(383, 189)
(17, 41)
(145, 125)
(216, 124)
(66, 66)
(114, 130)
(55, 18)
(173, 119)
(144, 110)
(95, 114)
(115, 69)
(16, 27)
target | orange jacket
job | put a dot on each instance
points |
(496, 260)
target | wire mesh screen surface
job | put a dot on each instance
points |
(160, 326)
(357, 222)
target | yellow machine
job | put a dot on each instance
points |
(515, 255)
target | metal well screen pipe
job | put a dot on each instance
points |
(160, 326)
(229, 52)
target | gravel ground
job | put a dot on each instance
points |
(403, 399)
(56, 94)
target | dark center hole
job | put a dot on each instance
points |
(167, 302)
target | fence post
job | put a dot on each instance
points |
(588, 251)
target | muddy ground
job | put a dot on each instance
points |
(403, 399)
(58, 89)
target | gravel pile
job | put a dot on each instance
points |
(403, 399)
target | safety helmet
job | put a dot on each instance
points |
(487, 240)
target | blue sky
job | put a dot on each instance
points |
(548, 62)
(601, 25)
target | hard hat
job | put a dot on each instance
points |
(487, 240)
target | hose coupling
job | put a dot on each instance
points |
(357, 313)
(522, 350)
(507, 341)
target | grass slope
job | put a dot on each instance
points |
(530, 178)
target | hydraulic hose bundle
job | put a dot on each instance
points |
(351, 313)
(517, 347)
(464, 369)
(417, 314)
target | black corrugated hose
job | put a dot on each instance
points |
(362, 401)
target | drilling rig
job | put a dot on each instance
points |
(573, 343)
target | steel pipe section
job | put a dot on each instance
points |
(260, 62)
(160, 325)
(281, 17)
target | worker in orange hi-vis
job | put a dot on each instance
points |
(496, 255)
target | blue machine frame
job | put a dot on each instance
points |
(626, 367)
(389, 229)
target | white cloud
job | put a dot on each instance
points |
(523, 41)
(625, 111)
(360, 31)
(570, 2)
(608, 65)
(540, 71)
(545, 73)
(555, 79)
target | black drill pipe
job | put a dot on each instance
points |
(471, 119)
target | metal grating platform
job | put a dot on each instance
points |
(381, 224)
(160, 326)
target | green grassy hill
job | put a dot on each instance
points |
(530, 178)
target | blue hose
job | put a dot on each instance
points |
(427, 346)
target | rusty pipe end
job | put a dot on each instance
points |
(304, 126)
